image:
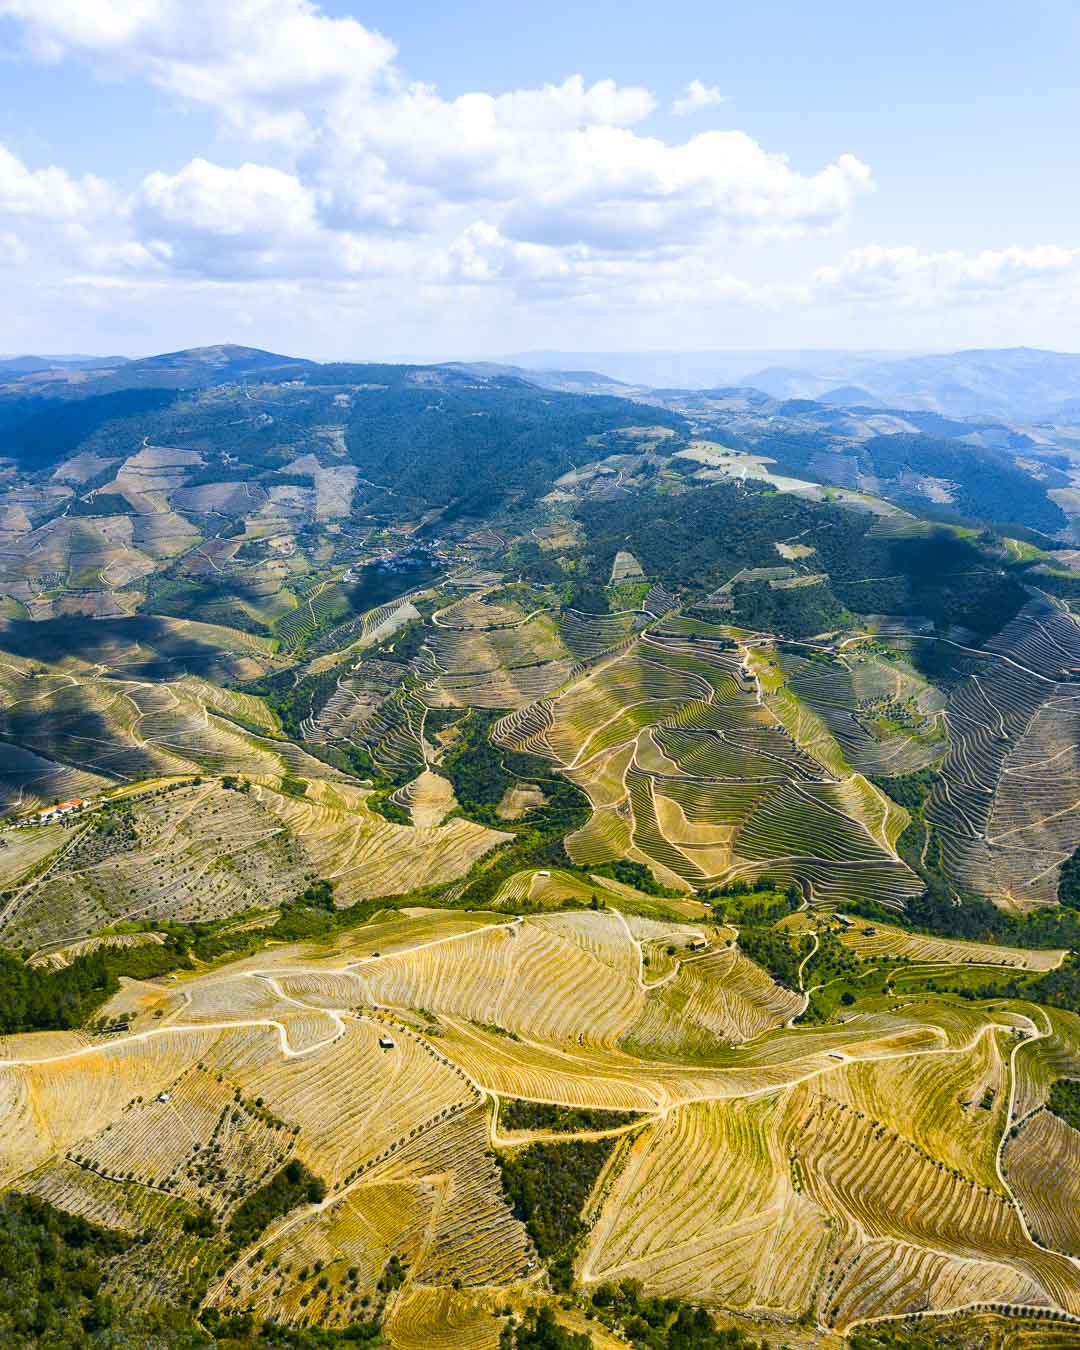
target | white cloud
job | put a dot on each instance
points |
(264, 63)
(564, 165)
(483, 254)
(573, 104)
(50, 193)
(909, 276)
(249, 203)
(252, 221)
(697, 98)
(613, 188)
(336, 172)
(551, 176)
(219, 221)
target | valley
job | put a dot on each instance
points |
(416, 782)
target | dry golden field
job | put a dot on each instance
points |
(806, 1174)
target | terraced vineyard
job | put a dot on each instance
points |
(1005, 806)
(193, 852)
(360, 778)
(832, 1174)
(691, 772)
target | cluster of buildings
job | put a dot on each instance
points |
(57, 812)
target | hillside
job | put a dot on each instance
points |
(481, 857)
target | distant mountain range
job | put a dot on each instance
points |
(687, 370)
(29, 365)
(194, 368)
(498, 425)
(1016, 383)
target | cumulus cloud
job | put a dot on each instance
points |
(220, 221)
(563, 166)
(482, 254)
(49, 193)
(697, 98)
(555, 177)
(621, 190)
(264, 63)
(249, 203)
(573, 104)
(252, 221)
(907, 275)
(336, 169)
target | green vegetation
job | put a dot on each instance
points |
(987, 486)
(54, 1266)
(115, 821)
(216, 600)
(1069, 882)
(378, 585)
(1058, 988)
(305, 919)
(548, 1185)
(774, 951)
(496, 1030)
(1064, 1101)
(102, 504)
(515, 1114)
(51, 429)
(389, 809)
(959, 1332)
(36, 998)
(479, 445)
(967, 982)
(201, 1223)
(293, 700)
(242, 1332)
(393, 1276)
(539, 1330)
(699, 540)
(936, 911)
(481, 774)
(664, 1323)
(977, 920)
(799, 611)
(293, 1185)
(837, 970)
(401, 646)
(637, 875)
(51, 1284)
(480, 771)
(744, 904)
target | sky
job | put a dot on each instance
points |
(433, 181)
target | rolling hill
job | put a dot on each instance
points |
(478, 854)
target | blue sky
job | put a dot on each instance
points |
(438, 181)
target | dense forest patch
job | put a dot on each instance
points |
(516, 1114)
(698, 541)
(548, 1185)
(293, 1185)
(1064, 1101)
